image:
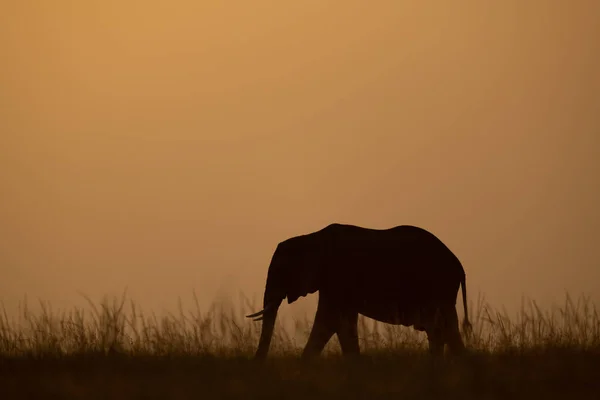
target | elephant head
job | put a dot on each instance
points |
(295, 271)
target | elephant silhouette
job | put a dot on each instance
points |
(403, 275)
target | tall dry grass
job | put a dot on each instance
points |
(119, 326)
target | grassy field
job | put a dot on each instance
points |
(112, 350)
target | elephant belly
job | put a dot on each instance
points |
(416, 317)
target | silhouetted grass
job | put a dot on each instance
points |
(114, 350)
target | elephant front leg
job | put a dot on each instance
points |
(322, 330)
(348, 334)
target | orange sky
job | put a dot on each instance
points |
(169, 146)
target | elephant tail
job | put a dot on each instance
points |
(466, 325)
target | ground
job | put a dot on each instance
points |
(112, 352)
(556, 374)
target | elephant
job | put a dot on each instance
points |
(402, 275)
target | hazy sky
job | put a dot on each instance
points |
(169, 146)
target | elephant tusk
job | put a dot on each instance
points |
(256, 314)
(259, 318)
(269, 306)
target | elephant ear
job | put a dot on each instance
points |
(306, 269)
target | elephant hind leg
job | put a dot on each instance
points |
(452, 333)
(435, 338)
(435, 329)
(444, 330)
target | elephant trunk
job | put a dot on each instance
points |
(268, 325)
(275, 292)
